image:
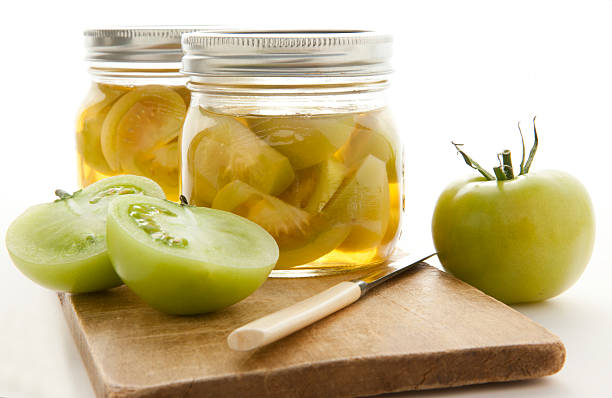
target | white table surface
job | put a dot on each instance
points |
(465, 70)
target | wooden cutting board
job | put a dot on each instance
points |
(424, 329)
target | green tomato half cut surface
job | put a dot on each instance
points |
(62, 245)
(187, 260)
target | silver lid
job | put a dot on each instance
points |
(289, 53)
(147, 44)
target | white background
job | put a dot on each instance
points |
(464, 70)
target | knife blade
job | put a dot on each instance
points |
(282, 323)
(387, 271)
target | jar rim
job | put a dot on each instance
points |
(313, 53)
(137, 44)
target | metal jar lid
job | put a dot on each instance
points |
(286, 53)
(146, 44)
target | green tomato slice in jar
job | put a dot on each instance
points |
(162, 166)
(363, 202)
(139, 124)
(184, 92)
(183, 259)
(304, 140)
(330, 177)
(89, 125)
(320, 239)
(303, 186)
(313, 187)
(274, 215)
(373, 135)
(226, 150)
(62, 245)
(301, 237)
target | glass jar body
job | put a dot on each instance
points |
(129, 123)
(317, 166)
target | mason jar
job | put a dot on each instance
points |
(131, 117)
(292, 131)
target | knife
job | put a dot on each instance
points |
(282, 323)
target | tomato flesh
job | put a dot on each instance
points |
(62, 245)
(184, 259)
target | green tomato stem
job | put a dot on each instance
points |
(507, 164)
(504, 171)
(499, 173)
(472, 163)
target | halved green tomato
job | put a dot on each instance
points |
(225, 150)
(185, 259)
(139, 124)
(62, 245)
(301, 237)
(304, 140)
(364, 203)
(89, 125)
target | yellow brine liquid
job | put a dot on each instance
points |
(328, 188)
(132, 130)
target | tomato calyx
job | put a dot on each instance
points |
(63, 195)
(504, 172)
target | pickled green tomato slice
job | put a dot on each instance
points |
(319, 242)
(185, 259)
(375, 135)
(184, 92)
(161, 164)
(330, 177)
(89, 125)
(304, 140)
(364, 203)
(314, 186)
(225, 150)
(303, 186)
(301, 237)
(274, 215)
(139, 123)
(62, 245)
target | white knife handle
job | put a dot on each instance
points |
(291, 319)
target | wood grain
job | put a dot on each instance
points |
(422, 330)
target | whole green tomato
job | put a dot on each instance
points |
(519, 239)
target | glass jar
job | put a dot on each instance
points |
(292, 131)
(131, 117)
